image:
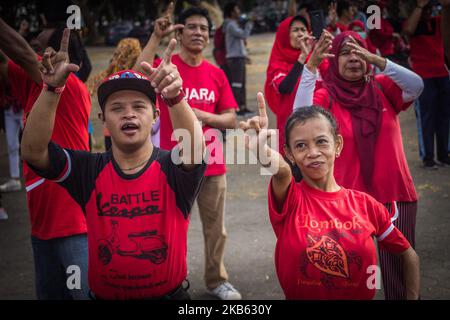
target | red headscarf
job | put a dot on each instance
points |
(281, 60)
(361, 98)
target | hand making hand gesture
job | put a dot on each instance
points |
(321, 50)
(55, 66)
(365, 54)
(255, 128)
(165, 78)
(164, 25)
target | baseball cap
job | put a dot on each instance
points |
(125, 80)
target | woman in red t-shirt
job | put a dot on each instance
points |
(366, 108)
(325, 233)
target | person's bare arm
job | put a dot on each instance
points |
(19, 51)
(224, 120)
(256, 135)
(445, 27)
(292, 11)
(40, 122)
(411, 273)
(167, 82)
(163, 27)
(413, 20)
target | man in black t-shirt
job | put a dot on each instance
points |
(135, 198)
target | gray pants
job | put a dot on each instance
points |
(13, 125)
(237, 77)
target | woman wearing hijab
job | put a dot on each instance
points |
(124, 58)
(288, 56)
(366, 109)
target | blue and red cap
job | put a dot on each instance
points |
(125, 80)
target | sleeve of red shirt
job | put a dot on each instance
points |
(226, 99)
(290, 204)
(290, 201)
(388, 236)
(393, 93)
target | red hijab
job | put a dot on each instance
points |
(282, 58)
(362, 99)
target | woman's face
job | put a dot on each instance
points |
(313, 147)
(351, 66)
(297, 30)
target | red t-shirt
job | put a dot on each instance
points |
(48, 203)
(207, 89)
(391, 180)
(383, 38)
(427, 49)
(137, 224)
(325, 242)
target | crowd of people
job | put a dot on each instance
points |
(341, 178)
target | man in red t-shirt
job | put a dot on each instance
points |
(428, 61)
(58, 238)
(136, 198)
(210, 96)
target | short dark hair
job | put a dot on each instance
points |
(229, 8)
(341, 6)
(303, 114)
(194, 11)
(300, 19)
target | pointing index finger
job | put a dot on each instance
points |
(261, 105)
(167, 57)
(64, 47)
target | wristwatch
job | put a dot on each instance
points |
(57, 90)
(173, 101)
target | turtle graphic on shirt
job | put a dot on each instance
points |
(326, 254)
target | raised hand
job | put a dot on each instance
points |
(365, 54)
(321, 50)
(256, 133)
(166, 78)
(55, 66)
(332, 12)
(164, 25)
(304, 42)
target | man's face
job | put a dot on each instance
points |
(194, 37)
(129, 117)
